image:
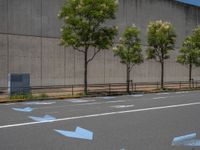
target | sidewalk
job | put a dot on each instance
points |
(55, 92)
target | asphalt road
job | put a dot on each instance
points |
(135, 122)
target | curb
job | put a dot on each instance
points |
(89, 96)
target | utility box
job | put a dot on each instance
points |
(18, 84)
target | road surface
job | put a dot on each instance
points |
(134, 122)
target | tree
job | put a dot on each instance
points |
(161, 40)
(84, 28)
(190, 52)
(129, 50)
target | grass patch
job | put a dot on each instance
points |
(42, 96)
(28, 96)
(23, 96)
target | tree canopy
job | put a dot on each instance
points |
(83, 24)
(85, 30)
(190, 51)
(129, 50)
(161, 40)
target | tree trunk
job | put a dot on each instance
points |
(190, 74)
(162, 76)
(85, 73)
(128, 78)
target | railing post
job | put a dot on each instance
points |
(180, 85)
(193, 83)
(109, 88)
(135, 86)
(72, 90)
(132, 85)
(157, 86)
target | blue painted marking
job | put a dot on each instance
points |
(79, 133)
(180, 139)
(27, 109)
(192, 143)
(190, 2)
(46, 118)
(187, 140)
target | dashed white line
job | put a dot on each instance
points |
(159, 97)
(39, 103)
(122, 106)
(80, 101)
(96, 103)
(82, 104)
(137, 95)
(182, 92)
(162, 93)
(107, 97)
(8, 104)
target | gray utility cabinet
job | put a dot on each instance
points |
(18, 84)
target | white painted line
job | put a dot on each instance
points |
(7, 104)
(159, 97)
(80, 101)
(182, 92)
(122, 106)
(97, 103)
(120, 101)
(162, 93)
(137, 95)
(103, 114)
(39, 103)
(107, 97)
(82, 104)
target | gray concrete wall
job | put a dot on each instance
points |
(29, 43)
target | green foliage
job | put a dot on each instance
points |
(28, 96)
(190, 50)
(129, 48)
(21, 96)
(84, 27)
(43, 96)
(161, 39)
(83, 24)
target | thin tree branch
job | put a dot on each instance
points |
(132, 65)
(157, 53)
(95, 53)
(82, 51)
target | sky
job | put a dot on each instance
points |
(190, 2)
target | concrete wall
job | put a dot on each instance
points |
(29, 43)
